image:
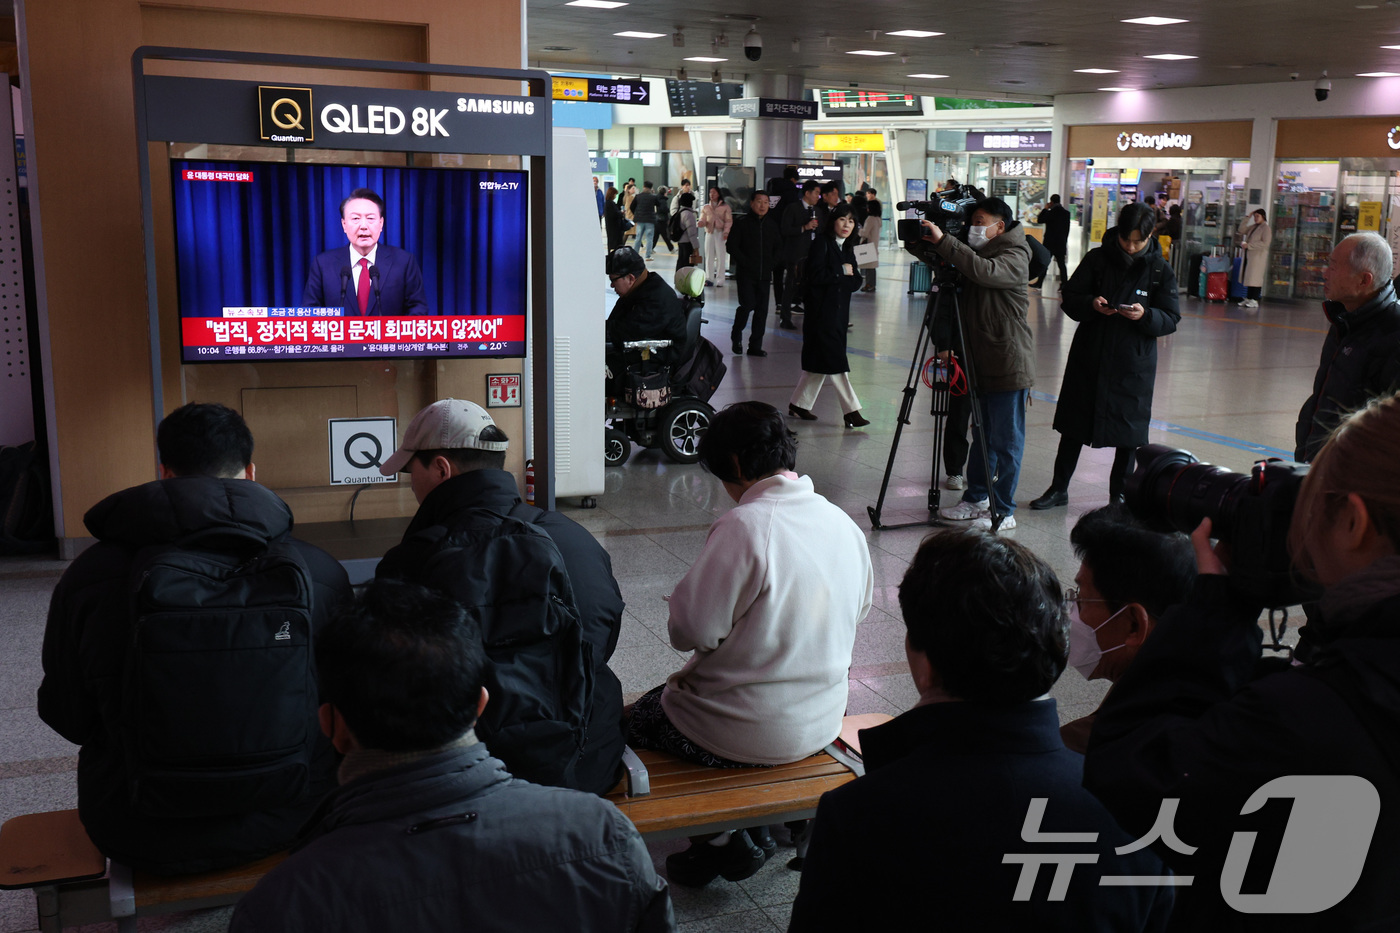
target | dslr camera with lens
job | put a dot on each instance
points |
(1172, 491)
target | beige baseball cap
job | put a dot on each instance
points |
(449, 424)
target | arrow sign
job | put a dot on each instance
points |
(600, 90)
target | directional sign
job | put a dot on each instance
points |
(601, 90)
(358, 447)
(747, 108)
(503, 390)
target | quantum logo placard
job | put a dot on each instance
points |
(285, 114)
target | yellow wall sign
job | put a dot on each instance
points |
(571, 89)
(1370, 216)
(1099, 223)
(849, 142)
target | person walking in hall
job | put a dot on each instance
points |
(754, 242)
(1255, 241)
(688, 247)
(598, 196)
(613, 222)
(781, 192)
(1124, 297)
(831, 276)
(870, 231)
(1056, 222)
(799, 225)
(716, 219)
(645, 210)
(661, 233)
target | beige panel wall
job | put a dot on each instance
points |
(83, 171)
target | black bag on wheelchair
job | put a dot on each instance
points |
(647, 386)
(702, 373)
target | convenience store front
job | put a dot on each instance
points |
(1332, 177)
(1200, 165)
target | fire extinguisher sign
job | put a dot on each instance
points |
(503, 390)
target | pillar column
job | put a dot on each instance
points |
(766, 137)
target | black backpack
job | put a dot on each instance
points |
(509, 575)
(674, 228)
(219, 695)
(26, 514)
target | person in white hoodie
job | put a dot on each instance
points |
(770, 609)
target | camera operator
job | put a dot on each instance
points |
(1187, 720)
(995, 263)
(1361, 355)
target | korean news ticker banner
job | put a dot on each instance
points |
(307, 327)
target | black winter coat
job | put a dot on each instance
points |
(1056, 221)
(755, 243)
(884, 855)
(797, 243)
(828, 304)
(651, 310)
(1190, 720)
(517, 856)
(1360, 361)
(1106, 394)
(596, 596)
(615, 224)
(85, 642)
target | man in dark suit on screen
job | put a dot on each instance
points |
(368, 277)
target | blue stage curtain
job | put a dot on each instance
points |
(252, 243)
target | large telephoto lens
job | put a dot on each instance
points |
(1172, 491)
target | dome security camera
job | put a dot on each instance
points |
(1322, 87)
(753, 45)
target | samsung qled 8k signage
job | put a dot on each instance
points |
(287, 261)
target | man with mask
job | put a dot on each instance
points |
(995, 264)
(1361, 355)
(1129, 575)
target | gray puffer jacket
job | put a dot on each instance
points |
(452, 842)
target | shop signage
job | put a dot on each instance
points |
(503, 390)
(1020, 168)
(1017, 140)
(858, 103)
(1370, 216)
(848, 142)
(1099, 224)
(749, 108)
(1157, 141)
(358, 447)
(601, 90)
(1392, 138)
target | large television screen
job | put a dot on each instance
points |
(289, 261)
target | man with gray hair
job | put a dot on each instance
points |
(1361, 355)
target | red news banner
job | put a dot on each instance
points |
(316, 331)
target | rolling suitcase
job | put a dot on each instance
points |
(1217, 286)
(920, 278)
(1237, 289)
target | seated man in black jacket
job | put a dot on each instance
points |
(454, 455)
(428, 832)
(158, 703)
(647, 309)
(958, 790)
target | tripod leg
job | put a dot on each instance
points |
(906, 406)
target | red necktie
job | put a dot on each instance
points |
(362, 289)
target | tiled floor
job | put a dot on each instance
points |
(1229, 385)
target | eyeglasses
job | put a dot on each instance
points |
(1072, 596)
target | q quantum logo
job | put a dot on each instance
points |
(1392, 139)
(285, 114)
(1123, 140)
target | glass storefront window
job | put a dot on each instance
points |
(1304, 224)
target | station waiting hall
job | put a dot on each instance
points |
(580, 272)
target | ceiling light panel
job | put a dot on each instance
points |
(1170, 57)
(706, 58)
(868, 52)
(1379, 74)
(914, 33)
(1096, 71)
(597, 4)
(640, 35)
(927, 77)
(1156, 21)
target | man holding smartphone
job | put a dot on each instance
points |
(995, 263)
(1124, 297)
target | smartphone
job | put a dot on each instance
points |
(1125, 307)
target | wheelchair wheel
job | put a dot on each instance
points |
(616, 447)
(683, 423)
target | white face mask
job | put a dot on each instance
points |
(1084, 650)
(977, 236)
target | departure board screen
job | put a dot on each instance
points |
(701, 98)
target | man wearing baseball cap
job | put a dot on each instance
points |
(454, 455)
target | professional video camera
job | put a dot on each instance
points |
(950, 211)
(1172, 491)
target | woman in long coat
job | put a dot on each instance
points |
(870, 232)
(1255, 240)
(613, 221)
(831, 276)
(1124, 297)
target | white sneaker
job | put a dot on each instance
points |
(956, 481)
(985, 523)
(965, 511)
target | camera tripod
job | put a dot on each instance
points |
(944, 290)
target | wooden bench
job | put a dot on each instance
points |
(663, 796)
(74, 884)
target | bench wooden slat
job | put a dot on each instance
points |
(42, 848)
(154, 890)
(747, 805)
(729, 780)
